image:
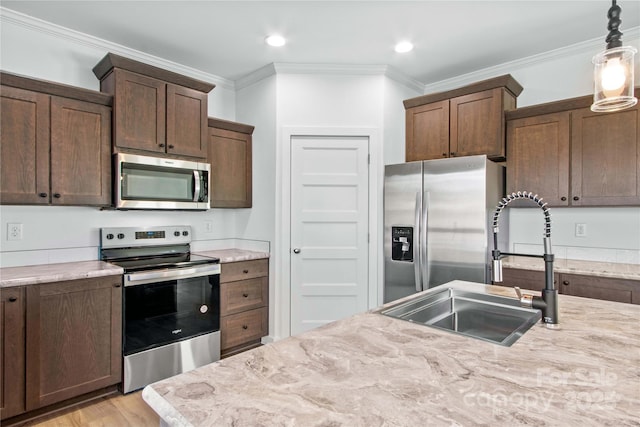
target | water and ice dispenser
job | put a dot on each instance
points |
(402, 244)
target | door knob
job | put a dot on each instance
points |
(296, 251)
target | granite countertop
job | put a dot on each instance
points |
(234, 255)
(591, 268)
(373, 370)
(44, 273)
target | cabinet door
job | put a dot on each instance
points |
(80, 153)
(538, 157)
(604, 288)
(427, 131)
(605, 158)
(139, 112)
(12, 362)
(477, 124)
(24, 147)
(186, 121)
(74, 344)
(524, 279)
(231, 163)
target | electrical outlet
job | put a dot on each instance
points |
(14, 231)
(581, 230)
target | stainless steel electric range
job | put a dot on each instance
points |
(171, 302)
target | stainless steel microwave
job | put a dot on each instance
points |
(143, 182)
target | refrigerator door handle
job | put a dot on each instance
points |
(417, 246)
(423, 241)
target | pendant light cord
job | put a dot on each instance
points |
(614, 38)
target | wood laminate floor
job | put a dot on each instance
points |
(117, 411)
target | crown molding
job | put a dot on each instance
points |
(592, 46)
(8, 16)
(328, 69)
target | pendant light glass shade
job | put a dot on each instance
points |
(613, 78)
(613, 72)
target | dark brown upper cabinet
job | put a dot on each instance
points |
(55, 145)
(230, 157)
(155, 111)
(572, 156)
(461, 122)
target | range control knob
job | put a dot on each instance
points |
(109, 236)
(176, 233)
(185, 233)
(120, 236)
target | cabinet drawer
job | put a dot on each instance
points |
(233, 271)
(237, 329)
(243, 295)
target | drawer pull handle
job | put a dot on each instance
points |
(245, 295)
(565, 282)
(245, 327)
(13, 299)
(245, 271)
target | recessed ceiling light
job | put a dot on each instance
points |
(404, 47)
(275, 40)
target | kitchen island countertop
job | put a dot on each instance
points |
(373, 370)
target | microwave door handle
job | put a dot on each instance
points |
(196, 187)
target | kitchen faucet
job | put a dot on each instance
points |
(548, 302)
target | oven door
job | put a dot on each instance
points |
(171, 305)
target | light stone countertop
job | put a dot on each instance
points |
(373, 370)
(590, 268)
(44, 273)
(234, 255)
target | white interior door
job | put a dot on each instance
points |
(329, 229)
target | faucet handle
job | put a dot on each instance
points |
(517, 289)
(525, 300)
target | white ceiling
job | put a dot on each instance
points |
(226, 38)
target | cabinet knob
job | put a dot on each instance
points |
(245, 295)
(161, 145)
(171, 146)
(13, 299)
(444, 154)
(245, 271)
(117, 285)
(576, 198)
(296, 250)
(452, 153)
(564, 199)
(42, 194)
(565, 282)
(57, 195)
(245, 327)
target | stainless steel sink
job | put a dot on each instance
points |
(492, 318)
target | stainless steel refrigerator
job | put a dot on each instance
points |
(437, 222)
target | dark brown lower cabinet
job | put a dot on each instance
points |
(597, 287)
(12, 350)
(59, 341)
(74, 339)
(605, 288)
(244, 305)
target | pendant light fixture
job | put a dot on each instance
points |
(613, 72)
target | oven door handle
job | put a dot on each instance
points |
(142, 278)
